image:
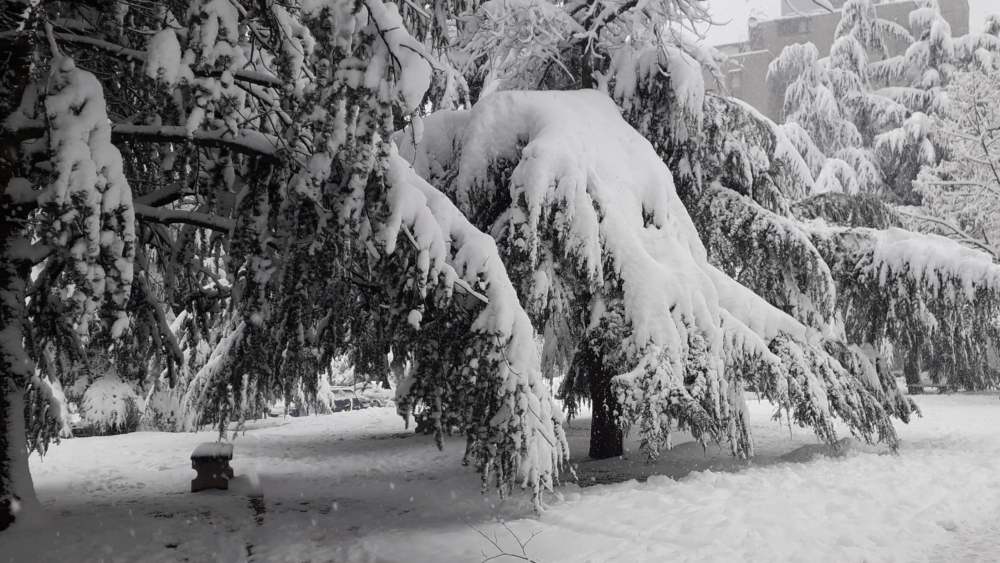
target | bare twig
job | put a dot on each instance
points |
(501, 552)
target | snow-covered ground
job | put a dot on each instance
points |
(355, 486)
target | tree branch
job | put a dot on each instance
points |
(171, 216)
(253, 143)
(126, 53)
(961, 236)
(158, 198)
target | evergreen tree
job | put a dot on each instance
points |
(604, 251)
(891, 102)
(869, 106)
(249, 153)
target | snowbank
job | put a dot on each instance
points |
(349, 487)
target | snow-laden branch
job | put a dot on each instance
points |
(252, 76)
(245, 141)
(954, 231)
(172, 216)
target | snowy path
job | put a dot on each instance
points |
(354, 487)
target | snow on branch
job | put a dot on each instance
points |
(585, 213)
(923, 294)
(89, 193)
(860, 210)
(254, 143)
(261, 78)
(767, 253)
(171, 216)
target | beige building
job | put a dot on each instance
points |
(803, 21)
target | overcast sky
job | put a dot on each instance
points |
(736, 12)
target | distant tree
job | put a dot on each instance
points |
(961, 195)
(869, 110)
(889, 104)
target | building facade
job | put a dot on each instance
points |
(803, 21)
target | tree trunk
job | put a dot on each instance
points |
(17, 491)
(911, 368)
(606, 435)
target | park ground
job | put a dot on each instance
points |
(358, 487)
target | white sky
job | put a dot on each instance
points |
(736, 12)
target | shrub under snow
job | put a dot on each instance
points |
(110, 405)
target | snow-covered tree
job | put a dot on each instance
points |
(252, 139)
(833, 112)
(760, 237)
(942, 316)
(961, 195)
(607, 258)
(539, 44)
(216, 186)
(869, 107)
(716, 147)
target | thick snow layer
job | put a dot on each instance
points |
(163, 58)
(930, 260)
(106, 402)
(352, 487)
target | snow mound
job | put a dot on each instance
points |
(808, 452)
(110, 405)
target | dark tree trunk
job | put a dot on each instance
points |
(17, 493)
(911, 368)
(606, 435)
